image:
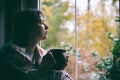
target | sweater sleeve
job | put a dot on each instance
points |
(65, 76)
(57, 75)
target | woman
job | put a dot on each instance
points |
(16, 56)
(21, 56)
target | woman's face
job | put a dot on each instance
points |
(41, 29)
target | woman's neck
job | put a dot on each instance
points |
(31, 46)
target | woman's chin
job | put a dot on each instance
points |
(44, 38)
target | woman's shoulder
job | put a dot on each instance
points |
(6, 48)
(9, 48)
(11, 55)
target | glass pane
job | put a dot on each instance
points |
(95, 24)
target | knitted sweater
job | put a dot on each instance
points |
(50, 75)
(57, 75)
(16, 64)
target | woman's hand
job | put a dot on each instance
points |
(48, 61)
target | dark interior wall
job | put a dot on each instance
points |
(11, 7)
(26, 4)
(8, 9)
(1, 23)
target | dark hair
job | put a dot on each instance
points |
(60, 57)
(24, 22)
